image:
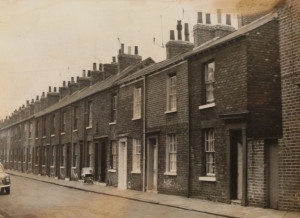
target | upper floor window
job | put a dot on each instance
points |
(30, 129)
(209, 142)
(89, 114)
(44, 126)
(114, 108)
(53, 124)
(75, 120)
(137, 103)
(209, 82)
(63, 121)
(171, 159)
(37, 128)
(171, 94)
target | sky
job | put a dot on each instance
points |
(43, 43)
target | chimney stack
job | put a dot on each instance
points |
(172, 35)
(186, 32)
(228, 19)
(179, 29)
(200, 20)
(219, 16)
(122, 48)
(208, 21)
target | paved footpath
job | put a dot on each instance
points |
(209, 207)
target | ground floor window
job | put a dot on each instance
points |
(136, 155)
(113, 159)
(209, 142)
(171, 151)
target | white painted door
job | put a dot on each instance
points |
(122, 167)
(152, 164)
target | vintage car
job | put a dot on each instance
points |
(4, 180)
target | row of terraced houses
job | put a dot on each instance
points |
(217, 120)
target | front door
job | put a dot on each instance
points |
(103, 162)
(152, 164)
(122, 167)
(236, 165)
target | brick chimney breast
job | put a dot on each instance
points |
(176, 47)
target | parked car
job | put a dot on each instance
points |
(4, 180)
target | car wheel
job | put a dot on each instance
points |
(7, 190)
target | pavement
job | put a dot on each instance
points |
(191, 204)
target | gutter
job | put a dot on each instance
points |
(144, 135)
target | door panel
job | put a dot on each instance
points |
(152, 164)
(273, 176)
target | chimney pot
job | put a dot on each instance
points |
(228, 19)
(37, 97)
(122, 48)
(83, 73)
(172, 35)
(200, 17)
(136, 50)
(54, 89)
(186, 32)
(49, 88)
(208, 21)
(32, 100)
(43, 94)
(64, 83)
(69, 83)
(89, 73)
(129, 50)
(114, 59)
(100, 67)
(72, 79)
(77, 79)
(27, 102)
(179, 28)
(94, 66)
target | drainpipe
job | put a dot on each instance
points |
(144, 135)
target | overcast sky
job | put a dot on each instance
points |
(45, 42)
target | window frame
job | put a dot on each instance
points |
(172, 93)
(75, 118)
(113, 155)
(89, 122)
(137, 103)
(209, 150)
(171, 154)
(136, 155)
(63, 122)
(114, 107)
(209, 80)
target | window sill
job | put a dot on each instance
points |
(170, 173)
(36, 138)
(207, 178)
(135, 172)
(44, 137)
(52, 135)
(207, 106)
(169, 112)
(62, 133)
(112, 170)
(136, 118)
(52, 167)
(75, 130)
(88, 127)
(112, 123)
(62, 167)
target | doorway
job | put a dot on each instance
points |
(236, 164)
(68, 163)
(152, 164)
(100, 162)
(122, 167)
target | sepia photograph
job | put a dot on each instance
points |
(149, 108)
